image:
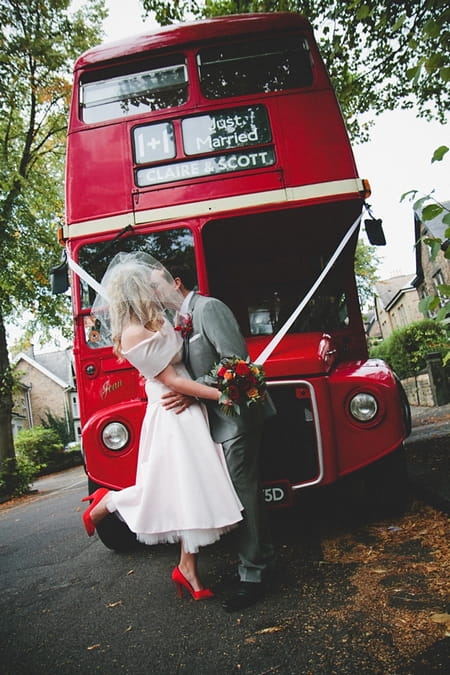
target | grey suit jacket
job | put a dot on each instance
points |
(216, 335)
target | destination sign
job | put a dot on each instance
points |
(206, 166)
(153, 143)
(226, 130)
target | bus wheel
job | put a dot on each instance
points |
(386, 485)
(113, 532)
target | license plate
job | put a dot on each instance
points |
(278, 494)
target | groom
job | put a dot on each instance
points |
(215, 334)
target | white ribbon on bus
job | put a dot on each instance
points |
(267, 351)
(85, 276)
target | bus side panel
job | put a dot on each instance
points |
(226, 185)
(101, 159)
(361, 443)
(313, 140)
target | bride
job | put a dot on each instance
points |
(183, 492)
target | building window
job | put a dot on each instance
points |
(75, 412)
(438, 280)
(403, 319)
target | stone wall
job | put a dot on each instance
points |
(418, 390)
(431, 387)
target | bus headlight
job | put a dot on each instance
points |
(363, 407)
(115, 436)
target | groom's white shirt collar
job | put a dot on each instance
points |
(184, 309)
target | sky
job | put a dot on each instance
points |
(396, 160)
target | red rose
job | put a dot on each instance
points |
(242, 368)
(233, 393)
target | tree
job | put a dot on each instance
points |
(366, 266)
(38, 44)
(381, 55)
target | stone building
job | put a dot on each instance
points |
(431, 273)
(47, 386)
(21, 414)
(396, 304)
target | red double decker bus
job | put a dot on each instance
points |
(220, 145)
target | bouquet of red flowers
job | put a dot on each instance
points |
(241, 382)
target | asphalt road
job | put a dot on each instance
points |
(352, 595)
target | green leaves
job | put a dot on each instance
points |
(444, 73)
(431, 303)
(39, 43)
(439, 153)
(366, 270)
(399, 23)
(431, 211)
(432, 28)
(363, 12)
(434, 244)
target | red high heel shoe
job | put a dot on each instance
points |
(94, 498)
(180, 580)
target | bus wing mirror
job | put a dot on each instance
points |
(374, 231)
(59, 278)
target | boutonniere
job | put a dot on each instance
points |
(185, 326)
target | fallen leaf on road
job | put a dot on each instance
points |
(94, 646)
(441, 618)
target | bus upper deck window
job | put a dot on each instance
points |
(114, 95)
(265, 66)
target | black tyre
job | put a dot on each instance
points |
(406, 408)
(386, 485)
(113, 532)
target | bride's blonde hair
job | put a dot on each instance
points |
(132, 300)
(135, 288)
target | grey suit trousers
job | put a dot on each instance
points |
(254, 544)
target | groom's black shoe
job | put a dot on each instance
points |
(246, 594)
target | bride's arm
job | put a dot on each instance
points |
(182, 385)
(135, 334)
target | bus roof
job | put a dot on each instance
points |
(195, 31)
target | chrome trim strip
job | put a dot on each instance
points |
(317, 429)
(207, 207)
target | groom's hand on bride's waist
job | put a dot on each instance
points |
(176, 402)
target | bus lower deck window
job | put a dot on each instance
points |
(255, 67)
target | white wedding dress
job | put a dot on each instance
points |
(183, 490)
